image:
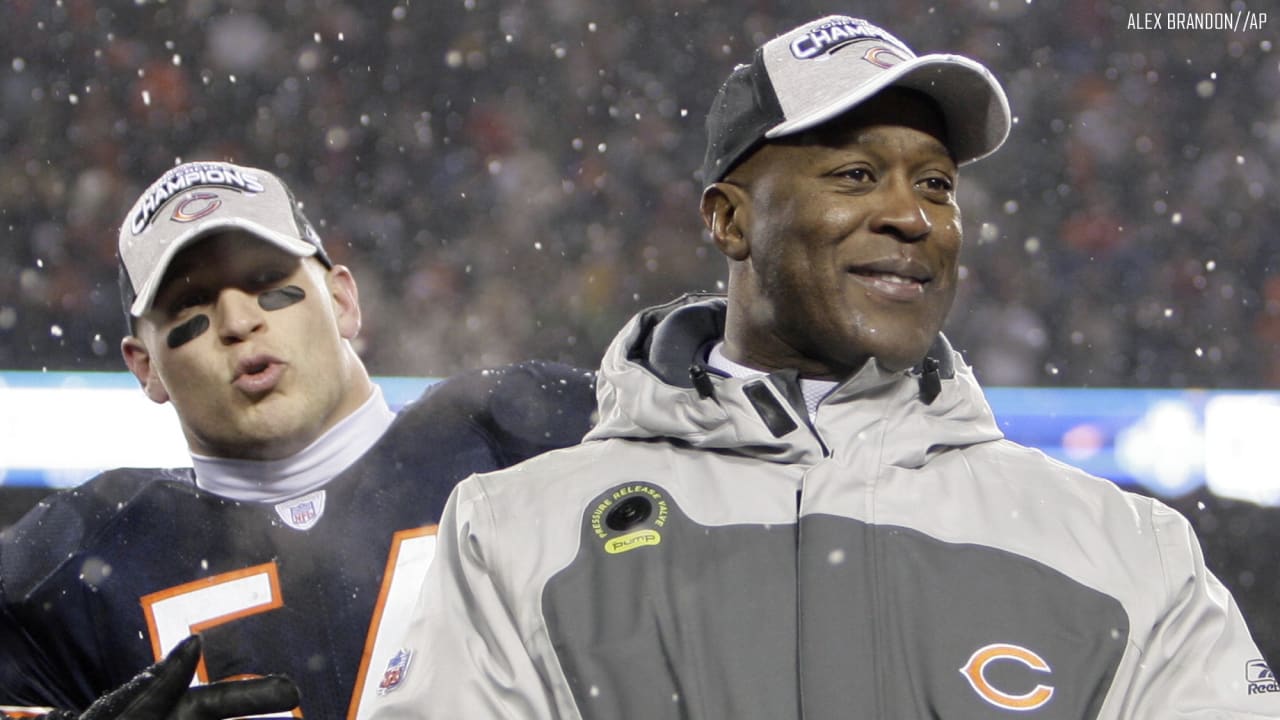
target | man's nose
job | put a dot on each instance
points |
(238, 315)
(900, 212)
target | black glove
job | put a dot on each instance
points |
(161, 692)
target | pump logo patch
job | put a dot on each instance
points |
(629, 517)
(1260, 678)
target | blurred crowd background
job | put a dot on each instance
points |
(514, 178)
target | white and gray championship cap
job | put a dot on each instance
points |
(824, 68)
(195, 200)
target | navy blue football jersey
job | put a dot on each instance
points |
(100, 581)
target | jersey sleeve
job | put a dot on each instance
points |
(518, 411)
(36, 670)
(466, 658)
(20, 667)
(1199, 660)
(52, 651)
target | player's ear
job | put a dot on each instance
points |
(346, 300)
(725, 207)
(138, 359)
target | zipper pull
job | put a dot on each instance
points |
(930, 383)
(701, 382)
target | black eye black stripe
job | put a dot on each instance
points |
(270, 300)
(281, 297)
(188, 331)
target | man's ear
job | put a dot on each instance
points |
(725, 207)
(346, 300)
(138, 359)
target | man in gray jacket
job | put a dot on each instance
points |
(797, 502)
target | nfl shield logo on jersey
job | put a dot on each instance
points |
(303, 512)
(394, 674)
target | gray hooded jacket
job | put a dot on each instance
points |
(709, 552)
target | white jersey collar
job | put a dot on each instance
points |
(304, 472)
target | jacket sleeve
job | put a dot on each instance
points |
(467, 658)
(1199, 661)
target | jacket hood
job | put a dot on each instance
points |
(654, 383)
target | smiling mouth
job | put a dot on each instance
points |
(889, 277)
(894, 285)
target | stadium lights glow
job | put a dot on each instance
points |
(59, 429)
(71, 432)
(1239, 457)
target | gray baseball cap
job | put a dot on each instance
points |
(824, 68)
(198, 199)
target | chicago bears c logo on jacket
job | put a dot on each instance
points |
(974, 671)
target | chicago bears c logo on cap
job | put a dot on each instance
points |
(195, 206)
(974, 671)
(883, 57)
